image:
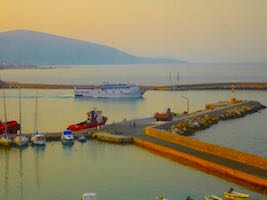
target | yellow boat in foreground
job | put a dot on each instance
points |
(236, 196)
(212, 197)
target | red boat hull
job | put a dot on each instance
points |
(12, 127)
(84, 125)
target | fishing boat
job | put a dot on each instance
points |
(94, 119)
(20, 140)
(67, 137)
(108, 90)
(5, 140)
(8, 127)
(236, 196)
(81, 138)
(11, 126)
(37, 138)
(212, 197)
(88, 196)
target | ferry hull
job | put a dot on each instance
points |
(110, 91)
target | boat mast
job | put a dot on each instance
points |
(4, 95)
(36, 113)
(20, 112)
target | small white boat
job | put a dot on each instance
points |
(236, 196)
(212, 197)
(82, 138)
(67, 137)
(38, 139)
(88, 196)
(20, 140)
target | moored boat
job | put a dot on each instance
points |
(5, 140)
(67, 137)
(12, 127)
(20, 140)
(94, 119)
(233, 195)
(88, 196)
(212, 197)
(81, 138)
(37, 138)
(236, 196)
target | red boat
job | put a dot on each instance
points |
(94, 119)
(12, 127)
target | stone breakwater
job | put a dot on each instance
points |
(199, 86)
(189, 126)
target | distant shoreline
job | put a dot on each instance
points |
(202, 86)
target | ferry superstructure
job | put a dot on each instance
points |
(108, 90)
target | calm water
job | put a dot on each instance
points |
(114, 171)
(141, 74)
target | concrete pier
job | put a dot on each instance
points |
(243, 168)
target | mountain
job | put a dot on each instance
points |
(45, 49)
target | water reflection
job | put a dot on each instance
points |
(6, 187)
(38, 151)
(21, 173)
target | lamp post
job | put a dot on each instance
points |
(187, 103)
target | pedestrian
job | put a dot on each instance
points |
(134, 125)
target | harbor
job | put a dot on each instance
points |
(246, 169)
(136, 100)
(143, 132)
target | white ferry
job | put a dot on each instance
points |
(108, 90)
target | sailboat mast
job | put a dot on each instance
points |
(4, 95)
(36, 113)
(20, 112)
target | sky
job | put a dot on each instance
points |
(192, 30)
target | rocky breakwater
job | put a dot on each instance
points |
(189, 126)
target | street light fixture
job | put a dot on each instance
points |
(187, 103)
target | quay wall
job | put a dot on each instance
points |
(248, 159)
(256, 182)
(180, 87)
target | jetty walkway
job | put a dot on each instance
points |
(237, 168)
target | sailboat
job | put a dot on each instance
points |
(5, 140)
(20, 140)
(37, 138)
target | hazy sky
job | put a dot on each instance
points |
(194, 30)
